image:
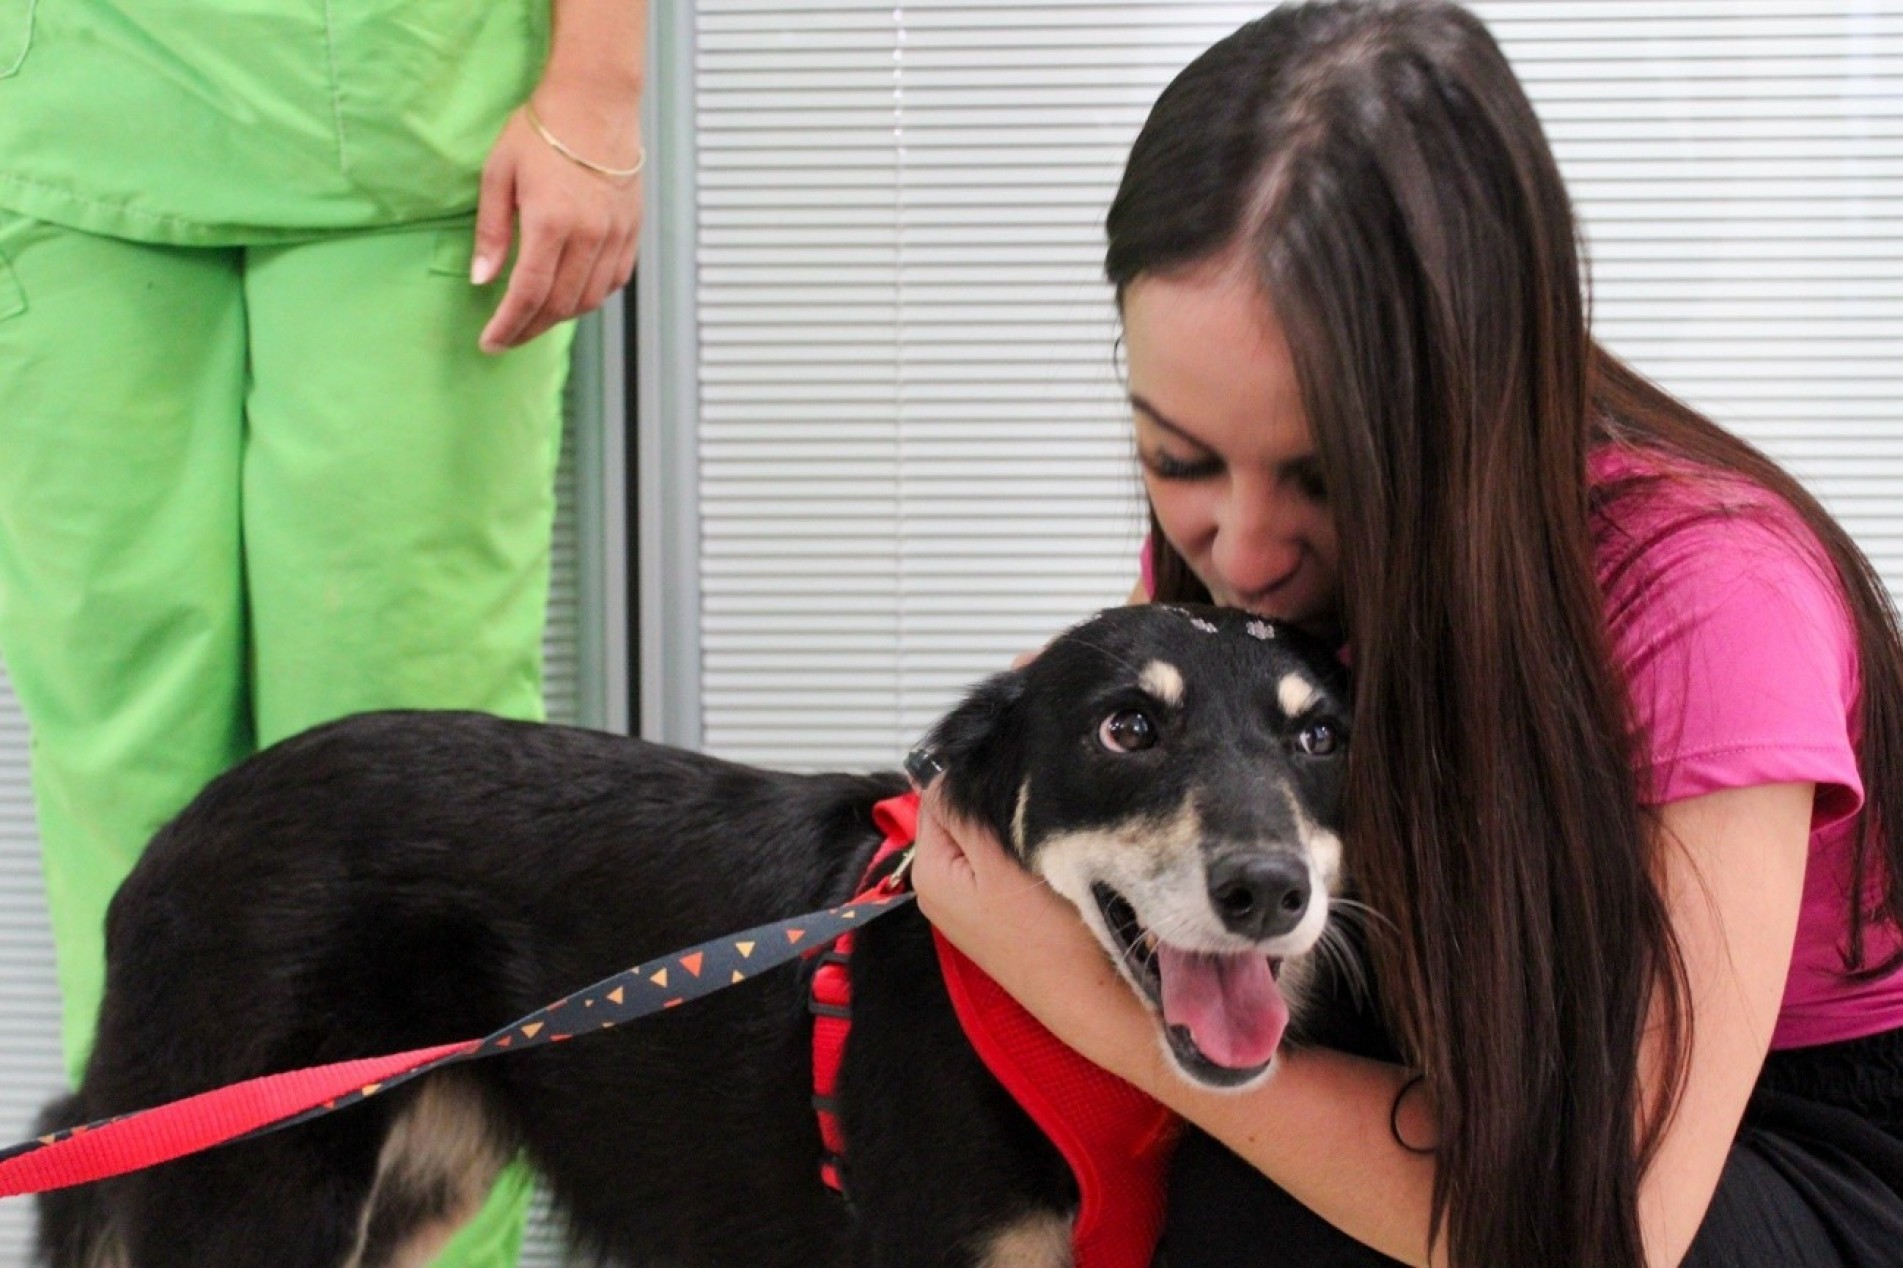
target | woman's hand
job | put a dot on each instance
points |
(981, 899)
(579, 227)
(1030, 940)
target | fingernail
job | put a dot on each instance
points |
(482, 270)
(923, 766)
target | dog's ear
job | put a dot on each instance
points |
(981, 746)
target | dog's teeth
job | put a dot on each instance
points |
(1148, 941)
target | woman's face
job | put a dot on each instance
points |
(1225, 447)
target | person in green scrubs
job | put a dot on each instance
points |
(284, 287)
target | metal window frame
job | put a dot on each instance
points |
(668, 396)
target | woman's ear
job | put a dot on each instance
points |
(980, 745)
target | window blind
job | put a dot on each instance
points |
(913, 459)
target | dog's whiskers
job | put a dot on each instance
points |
(1334, 948)
(1359, 912)
(1139, 955)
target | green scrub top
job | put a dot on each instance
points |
(219, 122)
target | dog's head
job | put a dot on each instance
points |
(1174, 772)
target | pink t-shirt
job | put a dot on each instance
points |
(1741, 662)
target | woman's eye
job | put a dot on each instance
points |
(1165, 467)
(1317, 739)
(1127, 731)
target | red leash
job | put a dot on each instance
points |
(145, 1138)
(117, 1145)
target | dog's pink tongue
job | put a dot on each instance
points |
(1230, 1004)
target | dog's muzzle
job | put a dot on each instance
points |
(1223, 1012)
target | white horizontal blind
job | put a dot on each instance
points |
(913, 460)
(913, 456)
(30, 1070)
(1738, 165)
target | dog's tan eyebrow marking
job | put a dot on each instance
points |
(1294, 693)
(1323, 846)
(1162, 680)
(1017, 817)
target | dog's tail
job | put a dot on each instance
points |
(74, 1223)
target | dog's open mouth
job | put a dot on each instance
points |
(1223, 1014)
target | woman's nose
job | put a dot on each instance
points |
(1255, 546)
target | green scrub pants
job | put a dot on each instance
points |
(243, 491)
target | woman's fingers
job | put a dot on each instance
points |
(495, 219)
(531, 282)
(577, 235)
(941, 870)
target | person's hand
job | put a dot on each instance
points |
(1028, 939)
(579, 228)
(979, 897)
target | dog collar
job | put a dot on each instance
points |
(1115, 1138)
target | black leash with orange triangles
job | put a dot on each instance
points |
(148, 1137)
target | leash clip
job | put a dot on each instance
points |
(894, 882)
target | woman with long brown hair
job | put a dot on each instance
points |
(1628, 708)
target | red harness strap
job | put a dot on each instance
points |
(1116, 1139)
(830, 995)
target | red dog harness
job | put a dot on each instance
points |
(1116, 1139)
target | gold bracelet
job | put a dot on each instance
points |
(554, 143)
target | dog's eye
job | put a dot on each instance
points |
(1127, 731)
(1317, 739)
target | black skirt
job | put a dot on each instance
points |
(1814, 1180)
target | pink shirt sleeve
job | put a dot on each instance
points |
(1740, 658)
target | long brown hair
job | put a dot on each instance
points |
(1385, 170)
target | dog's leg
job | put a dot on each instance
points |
(75, 1231)
(74, 1224)
(1039, 1240)
(295, 1199)
(443, 1152)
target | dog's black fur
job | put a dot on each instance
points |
(403, 879)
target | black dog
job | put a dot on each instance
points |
(404, 879)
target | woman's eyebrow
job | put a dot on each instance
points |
(1299, 464)
(1161, 420)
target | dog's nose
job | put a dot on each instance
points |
(1259, 895)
